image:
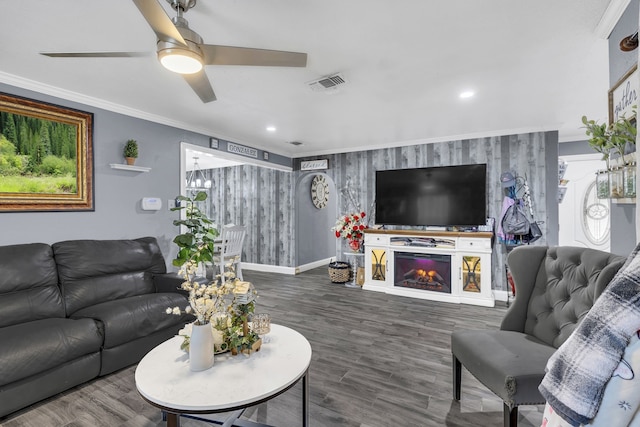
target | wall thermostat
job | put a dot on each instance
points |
(151, 203)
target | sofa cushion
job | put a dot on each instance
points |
(95, 271)
(93, 290)
(509, 363)
(28, 284)
(135, 317)
(34, 347)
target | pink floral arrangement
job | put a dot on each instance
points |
(350, 227)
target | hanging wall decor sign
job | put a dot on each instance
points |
(624, 95)
(242, 150)
(46, 157)
(313, 165)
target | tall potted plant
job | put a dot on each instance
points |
(208, 301)
(196, 246)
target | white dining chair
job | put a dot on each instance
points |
(231, 241)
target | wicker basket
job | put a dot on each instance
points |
(339, 272)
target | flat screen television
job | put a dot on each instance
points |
(436, 196)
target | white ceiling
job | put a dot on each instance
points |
(533, 65)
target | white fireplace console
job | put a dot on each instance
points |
(436, 265)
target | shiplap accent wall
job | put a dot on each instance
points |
(263, 199)
(525, 154)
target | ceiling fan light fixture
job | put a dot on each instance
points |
(182, 61)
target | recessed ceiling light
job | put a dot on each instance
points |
(271, 128)
(467, 94)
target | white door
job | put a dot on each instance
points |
(583, 218)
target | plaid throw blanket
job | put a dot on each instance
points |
(579, 370)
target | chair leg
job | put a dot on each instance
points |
(457, 376)
(510, 416)
(239, 271)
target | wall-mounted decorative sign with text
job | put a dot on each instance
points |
(624, 95)
(314, 165)
(242, 150)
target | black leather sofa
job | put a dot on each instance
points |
(79, 309)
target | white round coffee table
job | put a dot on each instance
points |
(163, 377)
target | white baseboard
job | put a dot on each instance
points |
(268, 268)
(286, 270)
(315, 264)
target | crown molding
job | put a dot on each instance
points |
(68, 95)
(610, 18)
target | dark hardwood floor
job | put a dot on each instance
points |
(378, 361)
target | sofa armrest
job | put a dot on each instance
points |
(524, 264)
(168, 282)
(607, 274)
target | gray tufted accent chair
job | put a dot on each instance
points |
(555, 288)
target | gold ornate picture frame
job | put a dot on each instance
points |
(46, 156)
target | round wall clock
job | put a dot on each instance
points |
(319, 191)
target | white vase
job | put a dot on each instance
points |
(201, 347)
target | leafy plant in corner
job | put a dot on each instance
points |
(598, 137)
(197, 243)
(605, 138)
(131, 148)
(623, 132)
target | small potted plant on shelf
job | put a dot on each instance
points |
(131, 151)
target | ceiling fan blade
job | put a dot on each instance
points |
(200, 84)
(95, 54)
(230, 55)
(159, 21)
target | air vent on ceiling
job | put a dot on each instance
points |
(328, 83)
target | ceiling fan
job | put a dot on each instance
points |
(181, 49)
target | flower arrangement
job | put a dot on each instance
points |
(205, 300)
(350, 227)
(225, 304)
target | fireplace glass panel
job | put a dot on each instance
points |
(471, 274)
(429, 272)
(378, 264)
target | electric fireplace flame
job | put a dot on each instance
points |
(425, 275)
(428, 272)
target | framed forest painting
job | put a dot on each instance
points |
(46, 157)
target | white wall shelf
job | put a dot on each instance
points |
(624, 201)
(129, 168)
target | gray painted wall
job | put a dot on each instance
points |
(117, 193)
(314, 240)
(623, 216)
